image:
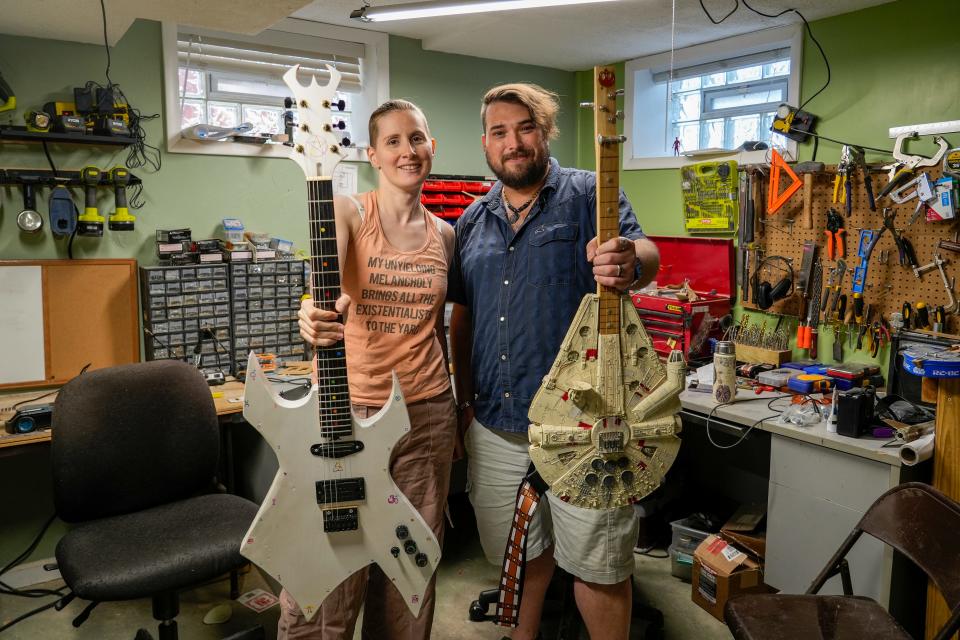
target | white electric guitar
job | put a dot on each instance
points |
(333, 507)
(603, 423)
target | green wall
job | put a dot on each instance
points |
(197, 191)
(871, 89)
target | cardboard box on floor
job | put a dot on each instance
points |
(720, 572)
(744, 530)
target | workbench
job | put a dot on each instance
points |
(819, 486)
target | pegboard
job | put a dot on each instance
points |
(888, 284)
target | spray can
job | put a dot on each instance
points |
(724, 372)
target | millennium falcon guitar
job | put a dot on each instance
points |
(604, 424)
(332, 508)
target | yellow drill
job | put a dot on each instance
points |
(120, 220)
(90, 222)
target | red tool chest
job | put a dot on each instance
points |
(708, 265)
(447, 196)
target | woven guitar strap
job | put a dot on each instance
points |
(515, 556)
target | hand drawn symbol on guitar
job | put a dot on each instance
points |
(326, 514)
(603, 424)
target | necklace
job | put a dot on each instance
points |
(514, 212)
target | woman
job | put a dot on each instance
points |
(394, 256)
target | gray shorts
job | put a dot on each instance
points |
(594, 545)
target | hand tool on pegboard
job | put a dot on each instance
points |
(776, 199)
(879, 335)
(864, 325)
(905, 164)
(813, 312)
(907, 255)
(831, 292)
(858, 162)
(938, 263)
(805, 287)
(921, 188)
(835, 231)
(868, 240)
(842, 190)
(807, 170)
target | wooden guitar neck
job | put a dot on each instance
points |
(607, 146)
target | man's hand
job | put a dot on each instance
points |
(613, 261)
(318, 326)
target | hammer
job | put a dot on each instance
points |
(808, 169)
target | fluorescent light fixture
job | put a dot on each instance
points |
(434, 8)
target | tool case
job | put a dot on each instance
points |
(707, 264)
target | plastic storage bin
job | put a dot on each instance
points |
(686, 537)
(681, 564)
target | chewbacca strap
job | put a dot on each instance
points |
(515, 557)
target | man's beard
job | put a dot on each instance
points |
(529, 175)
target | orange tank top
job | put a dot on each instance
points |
(396, 296)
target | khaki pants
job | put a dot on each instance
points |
(421, 468)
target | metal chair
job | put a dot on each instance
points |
(913, 518)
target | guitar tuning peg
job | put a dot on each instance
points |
(615, 94)
(586, 105)
(619, 114)
(346, 142)
(605, 140)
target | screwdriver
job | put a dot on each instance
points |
(938, 318)
(858, 307)
(923, 319)
(842, 307)
(907, 312)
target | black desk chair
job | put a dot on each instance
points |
(134, 456)
(913, 518)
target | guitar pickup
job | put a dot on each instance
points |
(345, 519)
(345, 490)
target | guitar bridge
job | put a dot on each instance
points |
(345, 519)
(344, 490)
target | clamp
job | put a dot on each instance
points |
(922, 189)
(938, 263)
(904, 163)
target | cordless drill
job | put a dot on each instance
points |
(90, 222)
(120, 220)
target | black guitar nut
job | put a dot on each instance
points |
(410, 547)
(421, 559)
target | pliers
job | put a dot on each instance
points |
(836, 247)
(879, 335)
(907, 255)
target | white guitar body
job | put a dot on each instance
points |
(333, 508)
(287, 538)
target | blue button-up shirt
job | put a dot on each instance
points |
(524, 289)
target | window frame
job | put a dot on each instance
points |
(374, 68)
(641, 92)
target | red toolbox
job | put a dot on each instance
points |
(707, 264)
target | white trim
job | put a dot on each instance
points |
(374, 67)
(639, 85)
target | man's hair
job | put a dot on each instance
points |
(389, 107)
(543, 105)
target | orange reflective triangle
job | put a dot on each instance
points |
(775, 199)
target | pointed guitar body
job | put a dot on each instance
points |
(333, 507)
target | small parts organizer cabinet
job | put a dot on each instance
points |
(177, 302)
(447, 196)
(249, 306)
(265, 298)
(707, 264)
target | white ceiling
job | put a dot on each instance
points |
(563, 37)
(579, 37)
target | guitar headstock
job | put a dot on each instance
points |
(315, 146)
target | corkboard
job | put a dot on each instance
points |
(90, 315)
(888, 285)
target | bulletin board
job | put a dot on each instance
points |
(57, 316)
(888, 284)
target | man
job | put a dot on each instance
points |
(526, 255)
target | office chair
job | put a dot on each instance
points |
(913, 518)
(134, 456)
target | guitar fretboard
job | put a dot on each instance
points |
(333, 392)
(608, 190)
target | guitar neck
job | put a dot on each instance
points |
(608, 185)
(333, 392)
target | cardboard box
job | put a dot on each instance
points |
(720, 572)
(747, 530)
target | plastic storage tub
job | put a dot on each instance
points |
(681, 564)
(686, 537)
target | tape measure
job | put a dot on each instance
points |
(931, 362)
(951, 162)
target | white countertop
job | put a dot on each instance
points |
(750, 408)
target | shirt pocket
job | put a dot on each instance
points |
(551, 255)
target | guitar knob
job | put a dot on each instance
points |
(609, 481)
(402, 531)
(410, 547)
(395, 552)
(421, 559)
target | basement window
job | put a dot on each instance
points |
(227, 79)
(718, 96)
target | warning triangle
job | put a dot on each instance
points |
(775, 199)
